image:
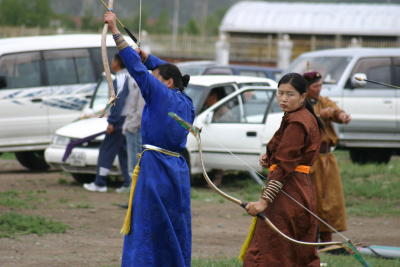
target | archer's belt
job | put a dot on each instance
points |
(300, 168)
(161, 150)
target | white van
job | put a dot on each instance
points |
(45, 82)
(373, 135)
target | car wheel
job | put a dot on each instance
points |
(33, 160)
(83, 177)
(370, 155)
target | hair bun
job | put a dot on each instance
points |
(185, 80)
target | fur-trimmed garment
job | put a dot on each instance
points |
(295, 143)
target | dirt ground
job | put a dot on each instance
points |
(94, 239)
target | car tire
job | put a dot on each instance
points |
(370, 155)
(33, 160)
(83, 178)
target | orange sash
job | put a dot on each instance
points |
(300, 168)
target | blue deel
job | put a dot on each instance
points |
(161, 221)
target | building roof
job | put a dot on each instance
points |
(313, 18)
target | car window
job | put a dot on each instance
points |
(195, 70)
(377, 69)
(101, 97)
(254, 84)
(396, 71)
(20, 70)
(252, 73)
(275, 108)
(97, 61)
(216, 94)
(218, 71)
(331, 68)
(196, 93)
(68, 66)
(249, 107)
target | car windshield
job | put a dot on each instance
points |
(100, 99)
(331, 68)
(195, 92)
(192, 70)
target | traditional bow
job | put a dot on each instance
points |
(123, 26)
(104, 57)
(347, 244)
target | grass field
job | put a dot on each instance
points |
(332, 261)
(370, 190)
(7, 155)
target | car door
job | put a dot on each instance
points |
(372, 107)
(235, 125)
(21, 100)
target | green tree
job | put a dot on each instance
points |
(192, 28)
(214, 21)
(12, 12)
(163, 23)
(89, 22)
(40, 13)
(29, 13)
(133, 22)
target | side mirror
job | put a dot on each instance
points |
(3, 82)
(358, 80)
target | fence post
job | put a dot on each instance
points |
(285, 46)
(222, 50)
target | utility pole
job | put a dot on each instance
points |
(204, 17)
(175, 23)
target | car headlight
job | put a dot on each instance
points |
(60, 140)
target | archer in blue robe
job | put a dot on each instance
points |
(160, 232)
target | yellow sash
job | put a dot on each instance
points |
(299, 168)
(126, 227)
(248, 239)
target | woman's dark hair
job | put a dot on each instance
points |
(118, 58)
(300, 84)
(169, 70)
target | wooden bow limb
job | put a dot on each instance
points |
(104, 57)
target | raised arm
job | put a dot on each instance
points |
(149, 86)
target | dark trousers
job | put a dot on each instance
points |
(114, 144)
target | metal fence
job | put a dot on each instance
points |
(256, 49)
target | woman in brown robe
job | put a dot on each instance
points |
(325, 173)
(290, 153)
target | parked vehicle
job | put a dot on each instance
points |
(373, 134)
(212, 68)
(247, 101)
(45, 82)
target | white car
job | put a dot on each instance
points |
(241, 123)
(373, 133)
(45, 82)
